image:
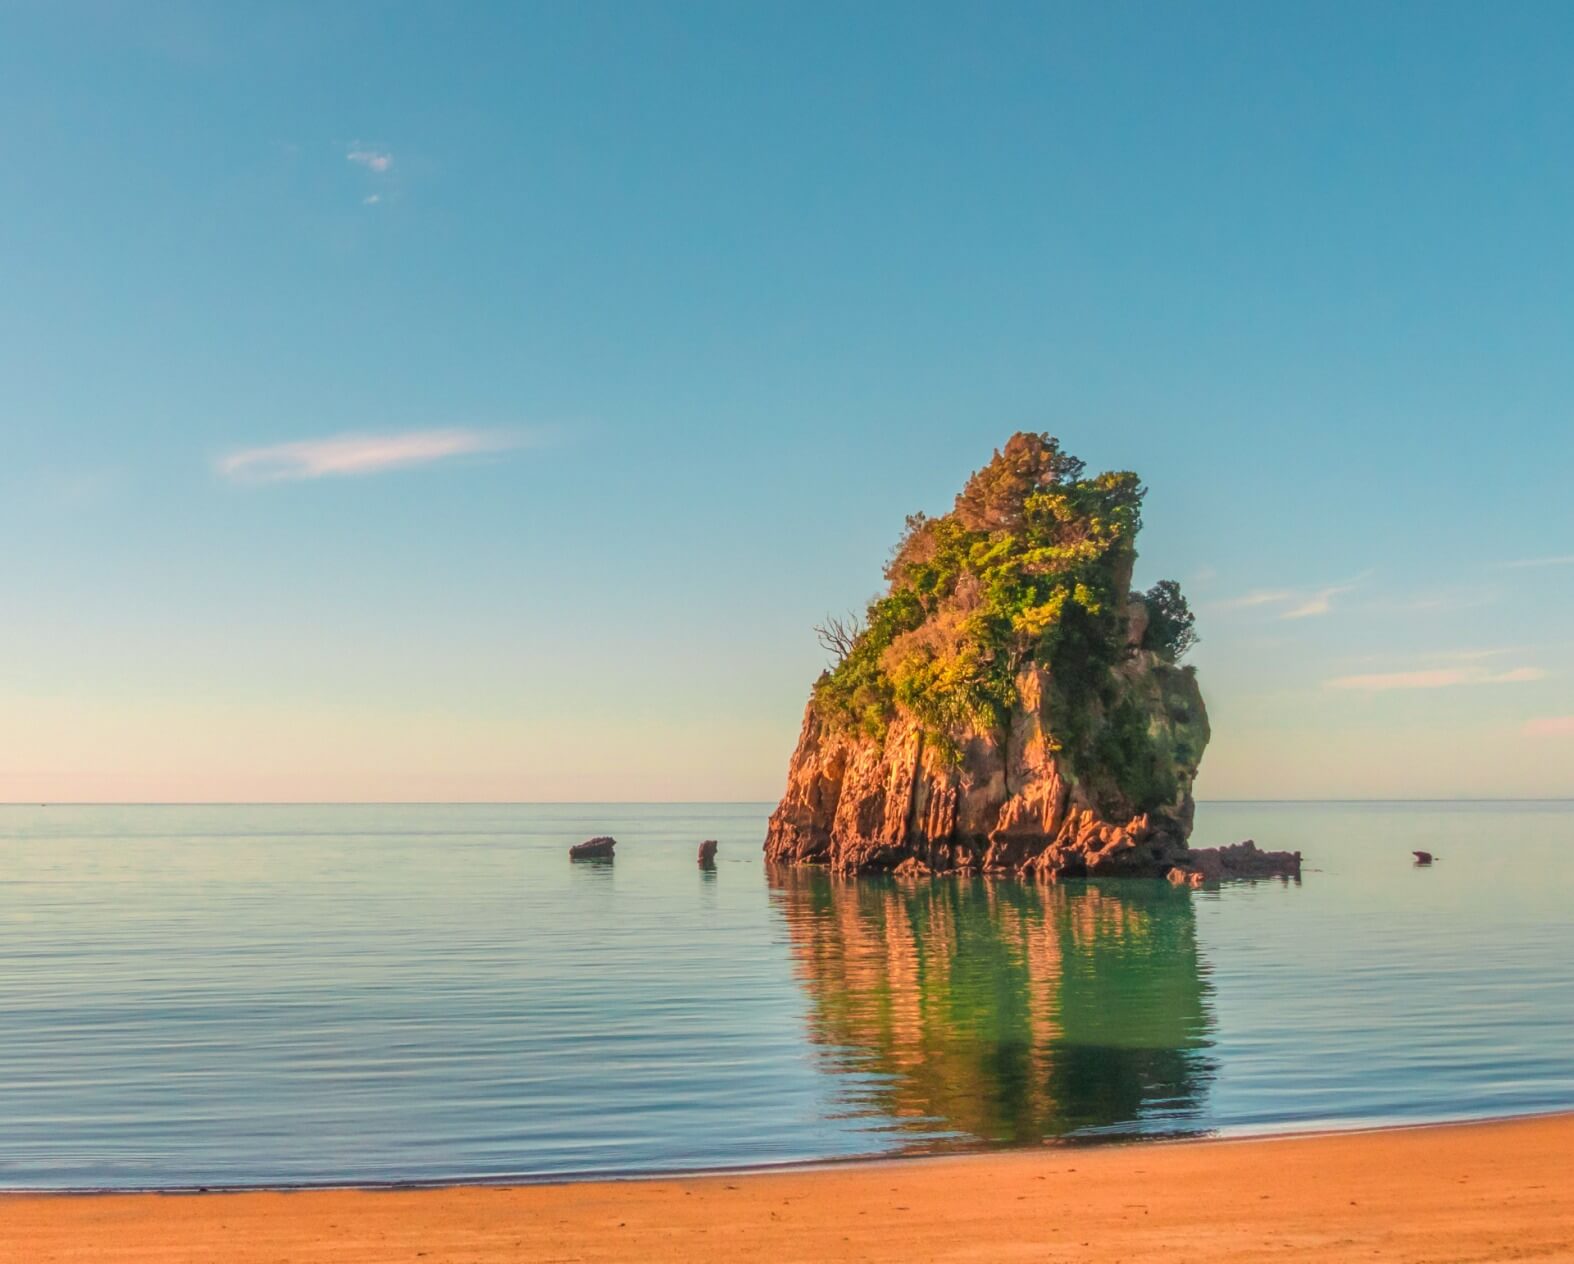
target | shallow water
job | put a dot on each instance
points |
(261, 995)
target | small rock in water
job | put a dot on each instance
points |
(1242, 860)
(708, 854)
(593, 849)
(1423, 857)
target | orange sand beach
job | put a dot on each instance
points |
(1489, 1191)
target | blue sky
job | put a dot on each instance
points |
(649, 323)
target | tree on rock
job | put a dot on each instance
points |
(1172, 628)
(995, 498)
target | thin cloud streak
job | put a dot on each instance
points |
(1434, 678)
(337, 456)
(1300, 603)
(1461, 656)
(372, 159)
(1319, 603)
(1526, 563)
(1550, 726)
(1262, 597)
(1444, 656)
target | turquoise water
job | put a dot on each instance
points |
(279, 995)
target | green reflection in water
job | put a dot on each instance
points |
(1004, 1012)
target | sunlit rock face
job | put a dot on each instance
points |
(1011, 705)
(994, 1012)
(1007, 802)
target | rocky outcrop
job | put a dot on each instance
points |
(707, 856)
(1009, 705)
(593, 849)
(1005, 801)
(1204, 865)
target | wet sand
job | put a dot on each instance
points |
(1492, 1191)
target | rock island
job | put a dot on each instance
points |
(1009, 704)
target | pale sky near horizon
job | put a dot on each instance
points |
(482, 402)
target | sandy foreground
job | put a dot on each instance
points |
(1495, 1191)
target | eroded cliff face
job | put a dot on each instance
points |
(1007, 800)
(1009, 705)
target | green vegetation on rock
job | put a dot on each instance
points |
(1032, 566)
(1172, 629)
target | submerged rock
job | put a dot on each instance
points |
(593, 849)
(708, 854)
(1011, 706)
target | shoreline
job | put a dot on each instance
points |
(1460, 1190)
(833, 1163)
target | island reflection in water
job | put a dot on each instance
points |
(1001, 1012)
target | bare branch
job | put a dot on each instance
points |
(838, 633)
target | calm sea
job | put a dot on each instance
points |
(280, 995)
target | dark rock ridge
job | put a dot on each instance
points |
(1086, 767)
(593, 849)
(1204, 865)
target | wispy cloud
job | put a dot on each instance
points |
(1443, 656)
(378, 160)
(351, 454)
(1435, 678)
(371, 199)
(1464, 598)
(1550, 726)
(1526, 563)
(1319, 603)
(1261, 597)
(1296, 603)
